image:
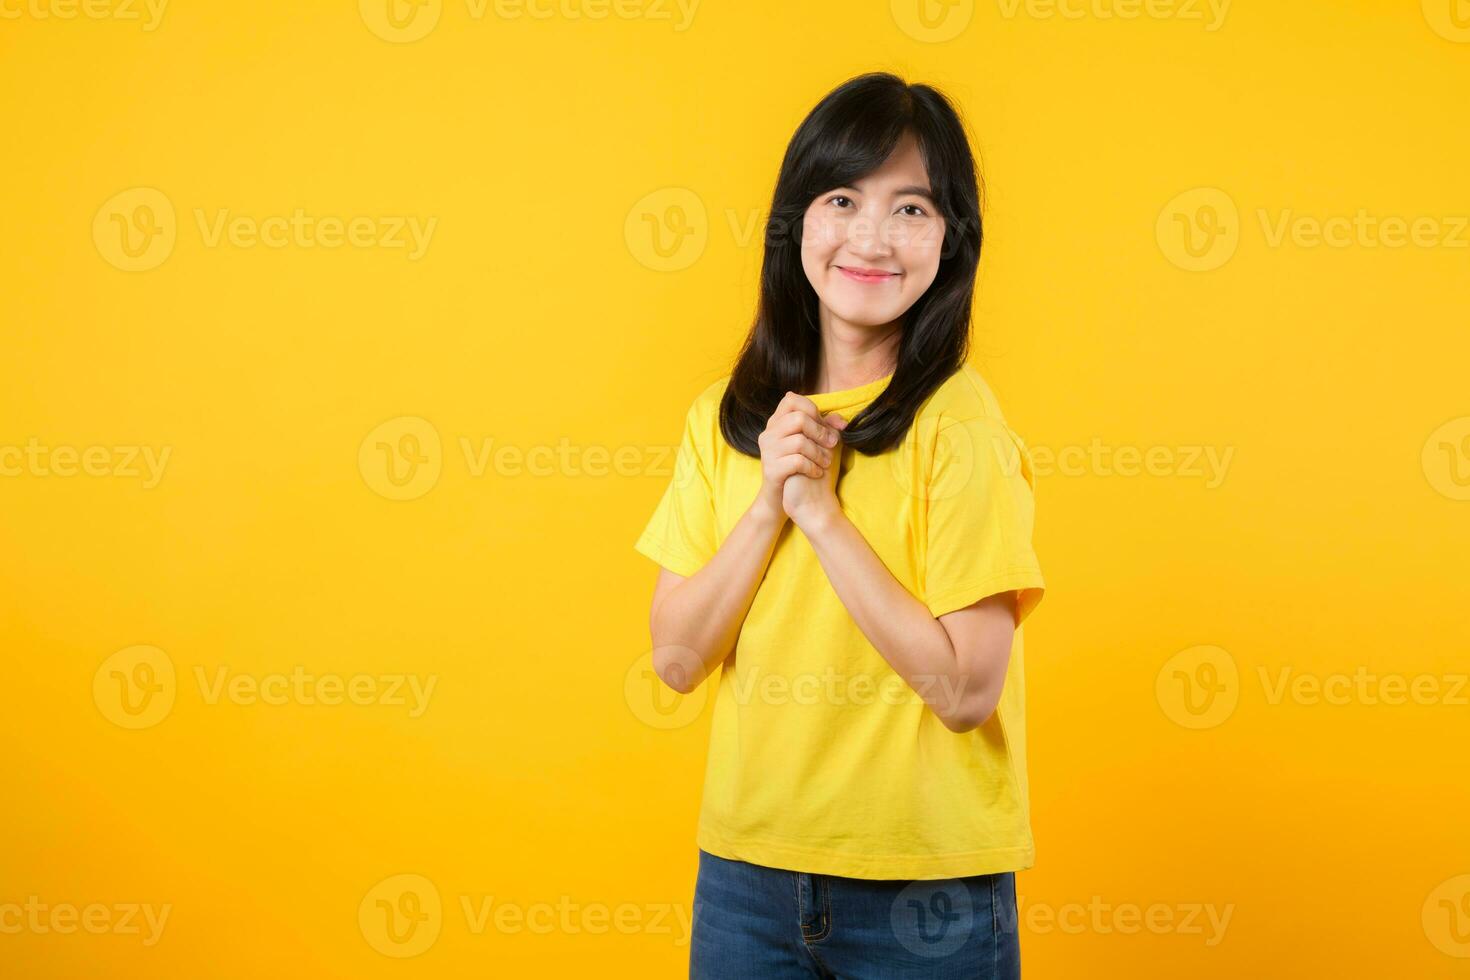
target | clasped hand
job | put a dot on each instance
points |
(801, 453)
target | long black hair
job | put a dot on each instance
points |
(849, 134)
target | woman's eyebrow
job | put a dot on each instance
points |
(923, 192)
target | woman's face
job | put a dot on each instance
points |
(870, 250)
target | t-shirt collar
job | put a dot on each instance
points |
(849, 398)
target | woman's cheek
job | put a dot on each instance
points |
(822, 234)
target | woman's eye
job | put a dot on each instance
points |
(838, 197)
(919, 211)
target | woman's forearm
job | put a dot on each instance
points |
(899, 626)
(695, 625)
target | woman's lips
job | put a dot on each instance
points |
(867, 275)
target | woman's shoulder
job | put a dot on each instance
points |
(964, 396)
(704, 407)
(702, 417)
(709, 396)
(963, 416)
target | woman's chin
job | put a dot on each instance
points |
(863, 315)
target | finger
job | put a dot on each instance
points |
(797, 465)
(814, 430)
(835, 421)
(792, 402)
(800, 444)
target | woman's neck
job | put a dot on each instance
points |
(853, 356)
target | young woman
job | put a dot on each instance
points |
(848, 532)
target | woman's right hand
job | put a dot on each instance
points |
(797, 439)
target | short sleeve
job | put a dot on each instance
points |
(981, 509)
(681, 535)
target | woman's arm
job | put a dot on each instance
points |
(695, 621)
(956, 663)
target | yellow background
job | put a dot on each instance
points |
(544, 313)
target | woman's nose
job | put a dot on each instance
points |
(869, 235)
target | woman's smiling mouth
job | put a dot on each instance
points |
(860, 274)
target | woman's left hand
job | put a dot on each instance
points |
(807, 497)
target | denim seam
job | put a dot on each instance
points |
(994, 928)
(796, 897)
(826, 911)
(801, 928)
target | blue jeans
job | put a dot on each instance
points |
(765, 923)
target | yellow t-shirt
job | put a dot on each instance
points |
(821, 758)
